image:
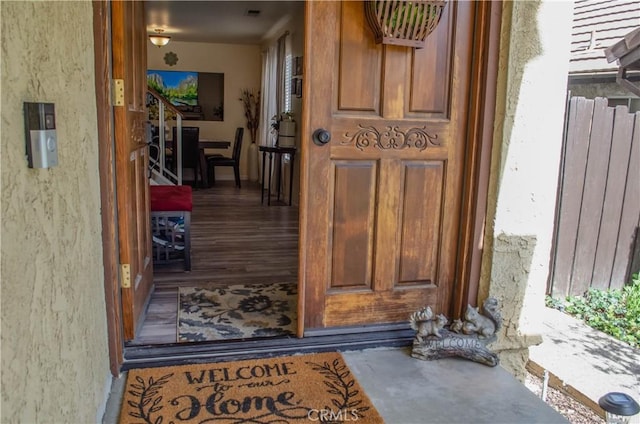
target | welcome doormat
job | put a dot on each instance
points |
(237, 312)
(292, 389)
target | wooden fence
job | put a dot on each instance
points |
(598, 209)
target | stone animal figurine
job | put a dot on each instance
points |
(465, 338)
(425, 325)
(483, 325)
(456, 326)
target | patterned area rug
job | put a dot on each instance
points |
(237, 312)
(292, 389)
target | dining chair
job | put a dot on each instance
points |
(190, 151)
(234, 160)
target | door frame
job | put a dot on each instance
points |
(476, 182)
(482, 113)
(106, 167)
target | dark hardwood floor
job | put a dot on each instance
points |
(234, 240)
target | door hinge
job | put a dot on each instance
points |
(118, 92)
(125, 276)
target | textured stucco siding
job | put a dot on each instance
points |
(604, 89)
(54, 342)
(534, 61)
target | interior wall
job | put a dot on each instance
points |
(55, 365)
(295, 26)
(241, 65)
(297, 45)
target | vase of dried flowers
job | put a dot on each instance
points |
(251, 103)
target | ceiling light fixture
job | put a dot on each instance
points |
(158, 39)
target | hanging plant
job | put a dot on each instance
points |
(401, 22)
(251, 104)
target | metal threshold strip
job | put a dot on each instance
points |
(337, 339)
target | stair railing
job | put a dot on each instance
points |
(158, 166)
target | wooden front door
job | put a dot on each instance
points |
(129, 56)
(382, 201)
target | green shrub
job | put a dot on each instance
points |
(615, 312)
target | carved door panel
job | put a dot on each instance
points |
(382, 200)
(131, 155)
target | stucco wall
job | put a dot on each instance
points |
(534, 60)
(603, 89)
(54, 342)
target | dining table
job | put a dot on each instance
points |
(213, 144)
(203, 144)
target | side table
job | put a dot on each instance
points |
(278, 152)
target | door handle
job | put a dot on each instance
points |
(321, 136)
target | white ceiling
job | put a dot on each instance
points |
(219, 21)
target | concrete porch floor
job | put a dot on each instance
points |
(405, 390)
